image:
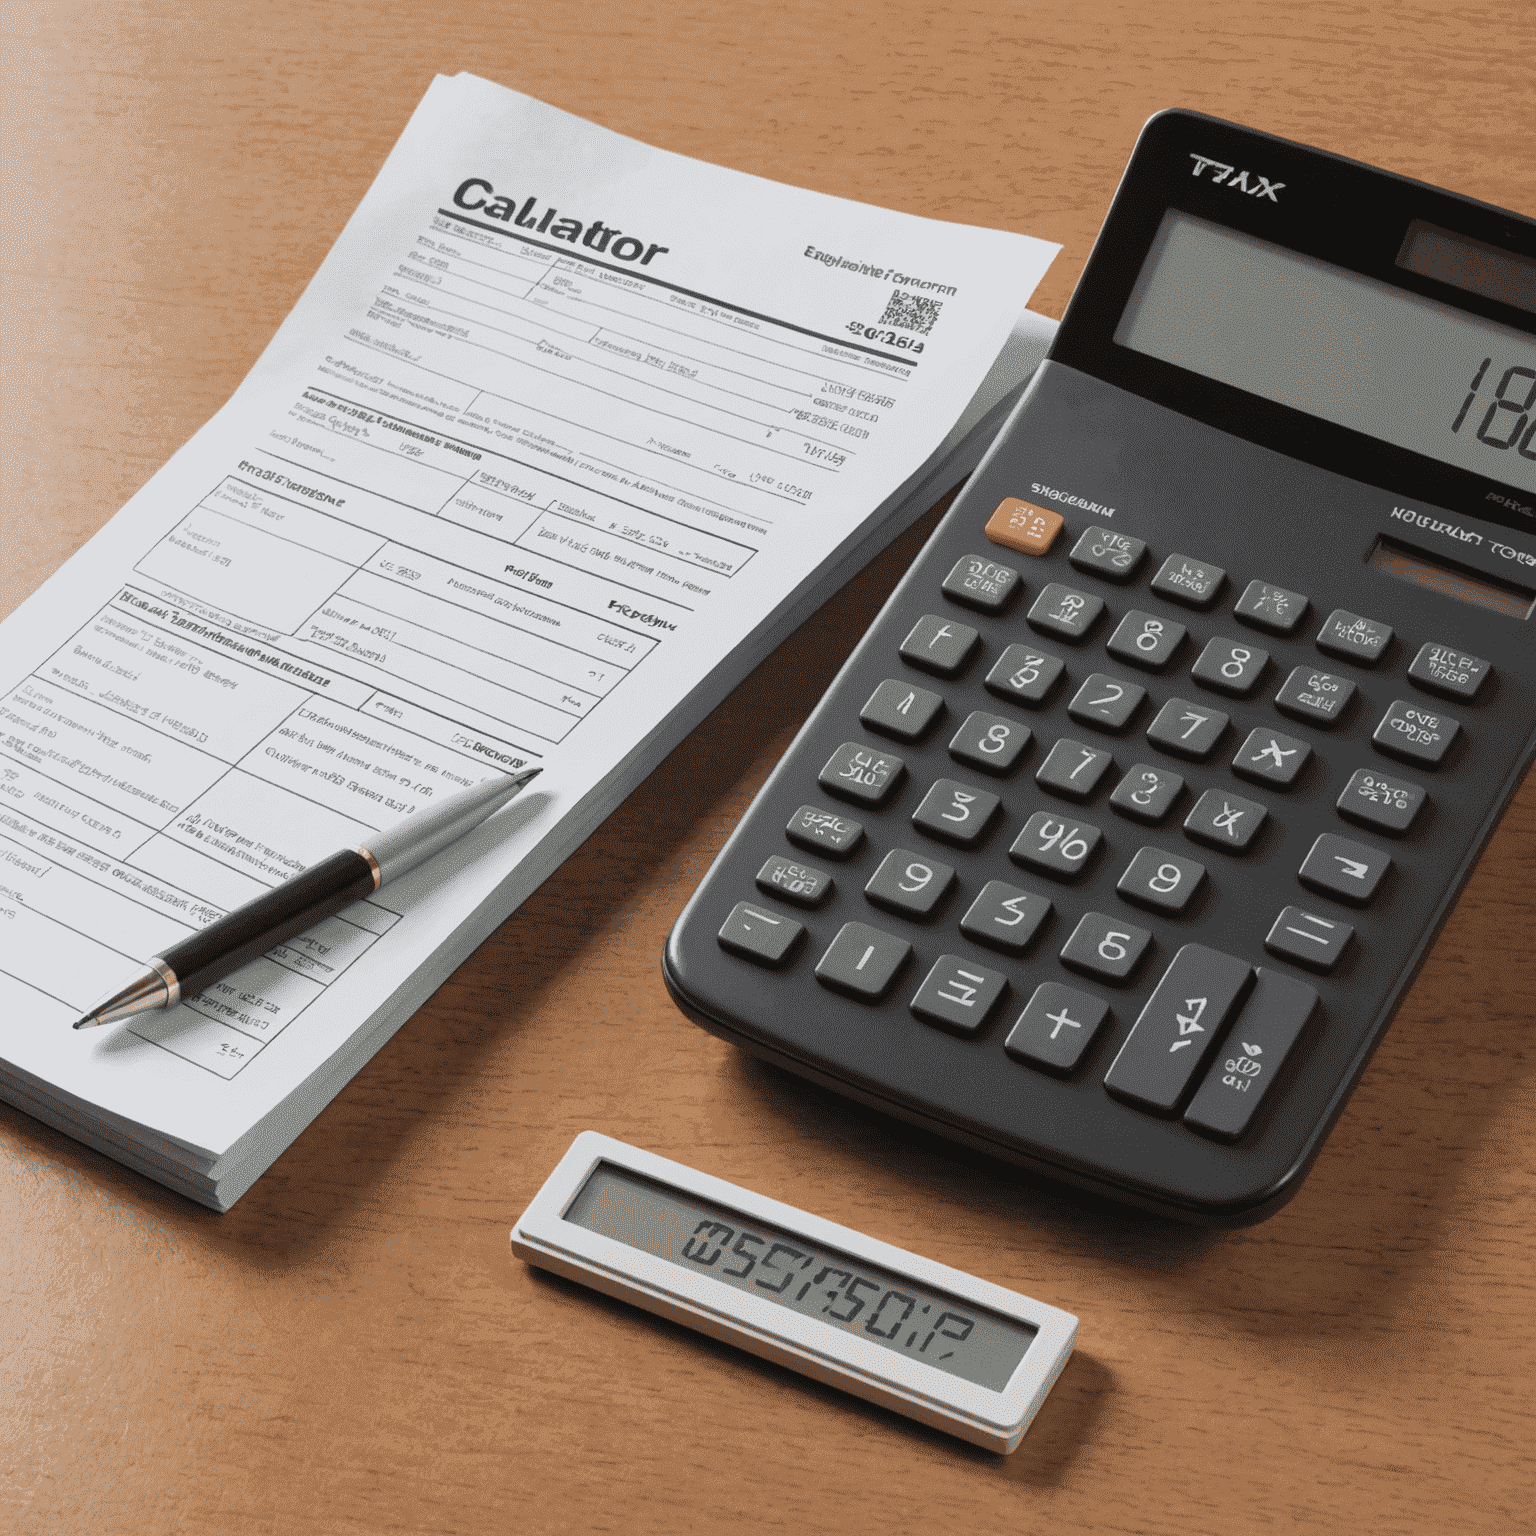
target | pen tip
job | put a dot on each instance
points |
(86, 1022)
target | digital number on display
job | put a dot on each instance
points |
(859, 1298)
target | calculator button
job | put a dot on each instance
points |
(1105, 946)
(1312, 941)
(1064, 612)
(863, 961)
(899, 709)
(910, 883)
(1348, 870)
(989, 742)
(958, 993)
(939, 645)
(756, 934)
(1187, 730)
(1005, 917)
(1274, 1016)
(1374, 800)
(1270, 608)
(861, 773)
(1271, 758)
(803, 884)
(1145, 639)
(1445, 669)
(1146, 793)
(1024, 674)
(1155, 878)
(825, 831)
(1192, 582)
(981, 583)
(1355, 639)
(1105, 702)
(1056, 845)
(1225, 821)
(1057, 1027)
(1072, 769)
(1421, 735)
(1103, 552)
(956, 812)
(1019, 525)
(1316, 696)
(1231, 667)
(1171, 1039)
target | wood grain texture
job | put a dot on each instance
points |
(353, 1349)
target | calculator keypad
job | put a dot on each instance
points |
(1179, 1059)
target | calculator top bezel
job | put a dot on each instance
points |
(1329, 208)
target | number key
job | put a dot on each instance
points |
(900, 710)
(1225, 821)
(1146, 793)
(1106, 703)
(909, 882)
(1005, 917)
(1161, 880)
(1024, 674)
(1072, 769)
(1146, 640)
(1055, 845)
(1187, 730)
(989, 742)
(862, 961)
(956, 812)
(1231, 667)
(1105, 946)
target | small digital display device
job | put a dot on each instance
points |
(941, 1346)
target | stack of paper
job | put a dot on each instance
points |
(564, 436)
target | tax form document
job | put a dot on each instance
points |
(560, 432)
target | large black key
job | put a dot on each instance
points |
(1262, 1038)
(1170, 1041)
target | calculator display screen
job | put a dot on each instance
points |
(1396, 366)
(862, 1299)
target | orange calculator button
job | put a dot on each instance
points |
(1029, 529)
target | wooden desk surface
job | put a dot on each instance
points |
(353, 1349)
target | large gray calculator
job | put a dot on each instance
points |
(1114, 846)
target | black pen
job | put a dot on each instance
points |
(238, 937)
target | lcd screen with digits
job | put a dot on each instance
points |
(1352, 350)
(913, 1320)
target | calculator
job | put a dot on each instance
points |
(1119, 838)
